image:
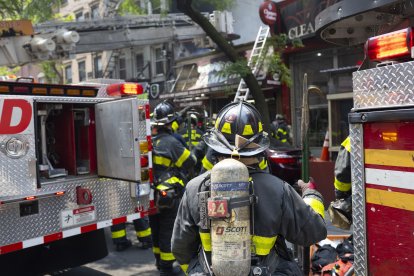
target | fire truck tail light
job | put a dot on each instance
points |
(144, 161)
(143, 146)
(145, 176)
(60, 193)
(124, 89)
(390, 46)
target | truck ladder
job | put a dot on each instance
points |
(255, 62)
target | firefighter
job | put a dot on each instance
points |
(279, 210)
(142, 230)
(340, 211)
(343, 171)
(196, 134)
(171, 161)
(194, 141)
(280, 129)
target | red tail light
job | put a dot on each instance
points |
(283, 159)
(390, 46)
(144, 161)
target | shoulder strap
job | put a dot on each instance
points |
(203, 195)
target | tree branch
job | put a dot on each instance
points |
(250, 80)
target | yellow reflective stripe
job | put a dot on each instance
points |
(175, 126)
(206, 241)
(174, 180)
(156, 250)
(195, 143)
(162, 187)
(160, 160)
(226, 128)
(167, 256)
(282, 131)
(119, 234)
(207, 164)
(283, 140)
(144, 233)
(392, 199)
(263, 164)
(387, 157)
(316, 205)
(342, 186)
(182, 158)
(184, 267)
(263, 245)
(260, 126)
(248, 130)
(347, 144)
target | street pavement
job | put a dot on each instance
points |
(131, 262)
(135, 261)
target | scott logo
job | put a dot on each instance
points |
(220, 231)
(15, 116)
(230, 230)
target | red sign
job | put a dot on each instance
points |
(15, 116)
(268, 13)
(217, 208)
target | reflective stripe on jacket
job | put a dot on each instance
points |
(170, 156)
(342, 181)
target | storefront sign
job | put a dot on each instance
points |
(268, 13)
(298, 17)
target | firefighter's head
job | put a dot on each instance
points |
(238, 131)
(163, 114)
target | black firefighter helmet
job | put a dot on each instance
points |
(238, 131)
(163, 114)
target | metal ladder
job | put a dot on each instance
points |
(255, 62)
(111, 65)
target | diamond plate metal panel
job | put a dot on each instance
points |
(358, 199)
(111, 199)
(388, 86)
(142, 125)
(16, 176)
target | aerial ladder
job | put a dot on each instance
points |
(255, 62)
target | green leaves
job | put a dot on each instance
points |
(35, 10)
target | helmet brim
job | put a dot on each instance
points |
(214, 142)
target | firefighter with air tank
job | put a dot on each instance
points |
(171, 162)
(234, 219)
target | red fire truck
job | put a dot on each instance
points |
(74, 159)
(382, 149)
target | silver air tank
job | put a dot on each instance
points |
(230, 236)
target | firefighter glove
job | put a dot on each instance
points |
(306, 186)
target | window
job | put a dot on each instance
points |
(95, 12)
(79, 16)
(159, 61)
(97, 65)
(339, 106)
(68, 74)
(82, 70)
(139, 65)
(122, 69)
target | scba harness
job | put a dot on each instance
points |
(221, 208)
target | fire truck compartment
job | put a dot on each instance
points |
(65, 135)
